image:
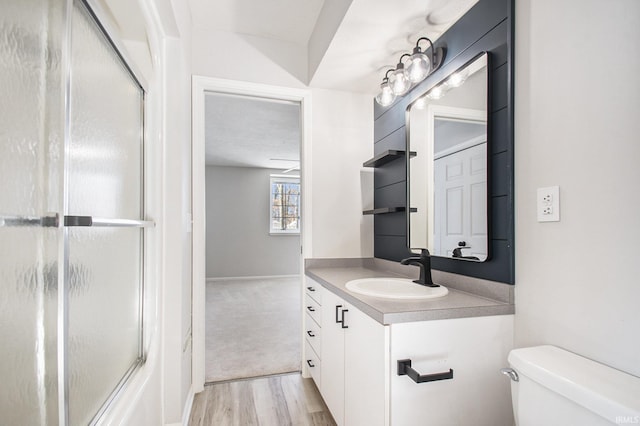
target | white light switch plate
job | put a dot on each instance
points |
(548, 204)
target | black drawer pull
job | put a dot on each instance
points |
(311, 364)
(404, 368)
(311, 309)
(311, 289)
(310, 333)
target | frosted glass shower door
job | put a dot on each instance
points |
(31, 151)
(71, 215)
(104, 220)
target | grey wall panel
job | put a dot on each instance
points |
(394, 224)
(395, 140)
(391, 121)
(391, 247)
(393, 172)
(500, 88)
(500, 54)
(237, 203)
(486, 27)
(391, 196)
(500, 219)
(499, 181)
(474, 25)
(499, 136)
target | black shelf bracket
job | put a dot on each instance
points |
(404, 369)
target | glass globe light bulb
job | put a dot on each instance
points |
(399, 81)
(386, 95)
(419, 66)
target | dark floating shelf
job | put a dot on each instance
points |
(385, 210)
(385, 157)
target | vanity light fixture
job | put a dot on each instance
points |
(386, 95)
(418, 67)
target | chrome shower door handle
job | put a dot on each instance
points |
(8, 221)
(90, 221)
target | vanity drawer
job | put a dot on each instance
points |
(313, 290)
(312, 308)
(313, 334)
(313, 363)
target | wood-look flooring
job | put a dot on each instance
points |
(280, 400)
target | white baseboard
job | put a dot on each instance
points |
(260, 277)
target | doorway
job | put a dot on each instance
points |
(245, 285)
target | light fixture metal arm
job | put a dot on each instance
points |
(386, 74)
(403, 55)
(437, 55)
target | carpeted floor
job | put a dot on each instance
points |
(253, 327)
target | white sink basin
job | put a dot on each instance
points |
(395, 288)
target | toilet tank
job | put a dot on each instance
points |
(557, 387)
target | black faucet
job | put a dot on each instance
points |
(424, 262)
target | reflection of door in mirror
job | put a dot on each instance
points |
(447, 168)
(460, 188)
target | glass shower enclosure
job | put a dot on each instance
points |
(72, 217)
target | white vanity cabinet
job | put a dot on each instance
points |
(475, 349)
(353, 363)
(359, 380)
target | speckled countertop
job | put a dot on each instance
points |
(468, 297)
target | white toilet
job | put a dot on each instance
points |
(551, 386)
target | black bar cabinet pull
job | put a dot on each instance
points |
(311, 289)
(343, 319)
(404, 368)
(310, 308)
(310, 333)
(338, 319)
(311, 364)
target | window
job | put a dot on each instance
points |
(284, 205)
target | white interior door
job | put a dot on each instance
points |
(461, 200)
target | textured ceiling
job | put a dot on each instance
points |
(245, 131)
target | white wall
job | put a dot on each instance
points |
(577, 126)
(238, 240)
(177, 213)
(243, 57)
(342, 188)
